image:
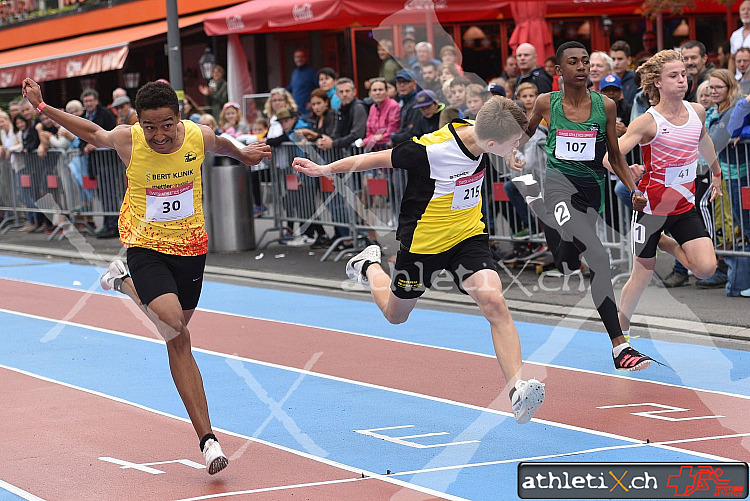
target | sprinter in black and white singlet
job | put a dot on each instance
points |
(441, 227)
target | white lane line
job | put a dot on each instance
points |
(269, 489)
(400, 341)
(18, 491)
(659, 445)
(360, 383)
(342, 466)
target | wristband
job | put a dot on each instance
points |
(41, 106)
(716, 175)
(635, 191)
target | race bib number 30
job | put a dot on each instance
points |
(169, 204)
(467, 192)
(684, 174)
(575, 145)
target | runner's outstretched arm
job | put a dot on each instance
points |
(251, 154)
(357, 163)
(85, 129)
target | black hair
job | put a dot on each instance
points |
(330, 72)
(692, 44)
(155, 95)
(572, 44)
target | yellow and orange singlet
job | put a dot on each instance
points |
(162, 209)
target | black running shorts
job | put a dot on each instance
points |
(647, 228)
(415, 273)
(155, 274)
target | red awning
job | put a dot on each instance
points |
(258, 16)
(300, 15)
(78, 56)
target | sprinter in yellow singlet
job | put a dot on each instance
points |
(161, 224)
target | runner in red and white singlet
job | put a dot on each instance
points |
(671, 159)
(672, 136)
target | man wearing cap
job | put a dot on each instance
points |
(495, 89)
(611, 86)
(409, 45)
(126, 115)
(406, 87)
(429, 113)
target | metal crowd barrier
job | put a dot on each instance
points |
(369, 201)
(7, 196)
(62, 183)
(731, 212)
(77, 186)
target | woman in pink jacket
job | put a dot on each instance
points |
(384, 118)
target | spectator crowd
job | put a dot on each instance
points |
(419, 93)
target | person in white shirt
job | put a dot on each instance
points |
(740, 37)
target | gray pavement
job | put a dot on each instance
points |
(687, 310)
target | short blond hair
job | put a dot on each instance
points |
(527, 85)
(74, 107)
(499, 119)
(702, 88)
(475, 90)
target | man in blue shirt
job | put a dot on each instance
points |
(304, 80)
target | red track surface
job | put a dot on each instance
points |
(54, 458)
(456, 376)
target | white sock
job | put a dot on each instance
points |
(618, 349)
(626, 333)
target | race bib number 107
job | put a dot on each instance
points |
(575, 145)
(169, 204)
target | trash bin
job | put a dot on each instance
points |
(228, 209)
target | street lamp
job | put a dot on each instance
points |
(207, 63)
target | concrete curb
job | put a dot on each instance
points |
(666, 325)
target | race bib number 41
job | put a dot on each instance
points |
(575, 145)
(467, 192)
(169, 204)
(676, 175)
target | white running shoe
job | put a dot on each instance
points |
(215, 459)
(527, 399)
(116, 270)
(354, 266)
